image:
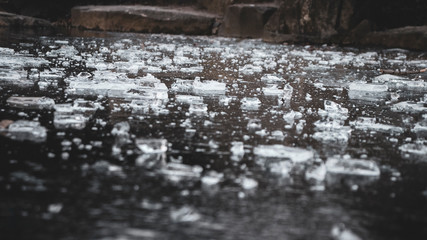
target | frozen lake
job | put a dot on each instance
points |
(133, 136)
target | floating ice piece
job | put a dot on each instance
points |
(250, 103)
(286, 96)
(14, 78)
(177, 172)
(340, 232)
(152, 145)
(420, 129)
(333, 137)
(291, 116)
(369, 124)
(272, 90)
(254, 124)
(188, 99)
(211, 179)
(316, 173)
(249, 69)
(31, 102)
(330, 126)
(151, 160)
(237, 151)
(351, 171)
(198, 108)
(296, 155)
(247, 183)
(64, 121)
(401, 83)
(409, 107)
(414, 151)
(385, 78)
(23, 130)
(367, 92)
(182, 86)
(333, 111)
(271, 78)
(208, 87)
(185, 214)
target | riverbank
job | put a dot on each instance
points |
(346, 22)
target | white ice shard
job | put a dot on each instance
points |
(350, 171)
(420, 129)
(367, 92)
(237, 151)
(340, 137)
(414, 151)
(31, 102)
(152, 145)
(188, 99)
(409, 107)
(182, 86)
(198, 108)
(23, 130)
(333, 111)
(286, 96)
(296, 155)
(208, 87)
(272, 90)
(185, 214)
(315, 174)
(250, 103)
(177, 172)
(291, 116)
(271, 78)
(370, 124)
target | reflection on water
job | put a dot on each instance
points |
(130, 136)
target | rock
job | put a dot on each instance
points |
(220, 6)
(150, 19)
(13, 20)
(246, 20)
(410, 37)
(315, 21)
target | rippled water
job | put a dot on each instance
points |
(174, 137)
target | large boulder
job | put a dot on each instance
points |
(10, 20)
(220, 6)
(246, 20)
(148, 19)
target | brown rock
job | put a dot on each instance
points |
(411, 37)
(13, 20)
(147, 19)
(246, 20)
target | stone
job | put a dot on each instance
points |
(13, 20)
(410, 37)
(246, 20)
(148, 19)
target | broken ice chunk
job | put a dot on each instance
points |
(296, 155)
(64, 121)
(237, 151)
(177, 172)
(291, 116)
(316, 173)
(414, 151)
(211, 180)
(182, 86)
(188, 99)
(421, 129)
(198, 108)
(409, 107)
(250, 103)
(333, 111)
(208, 87)
(185, 214)
(271, 78)
(254, 124)
(22, 130)
(247, 183)
(151, 160)
(152, 145)
(367, 92)
(351, 171)
(286, 96)
(333, 137)
(370, 124)
(272, 90)
(31, 102)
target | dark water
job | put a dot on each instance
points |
(95, 182)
